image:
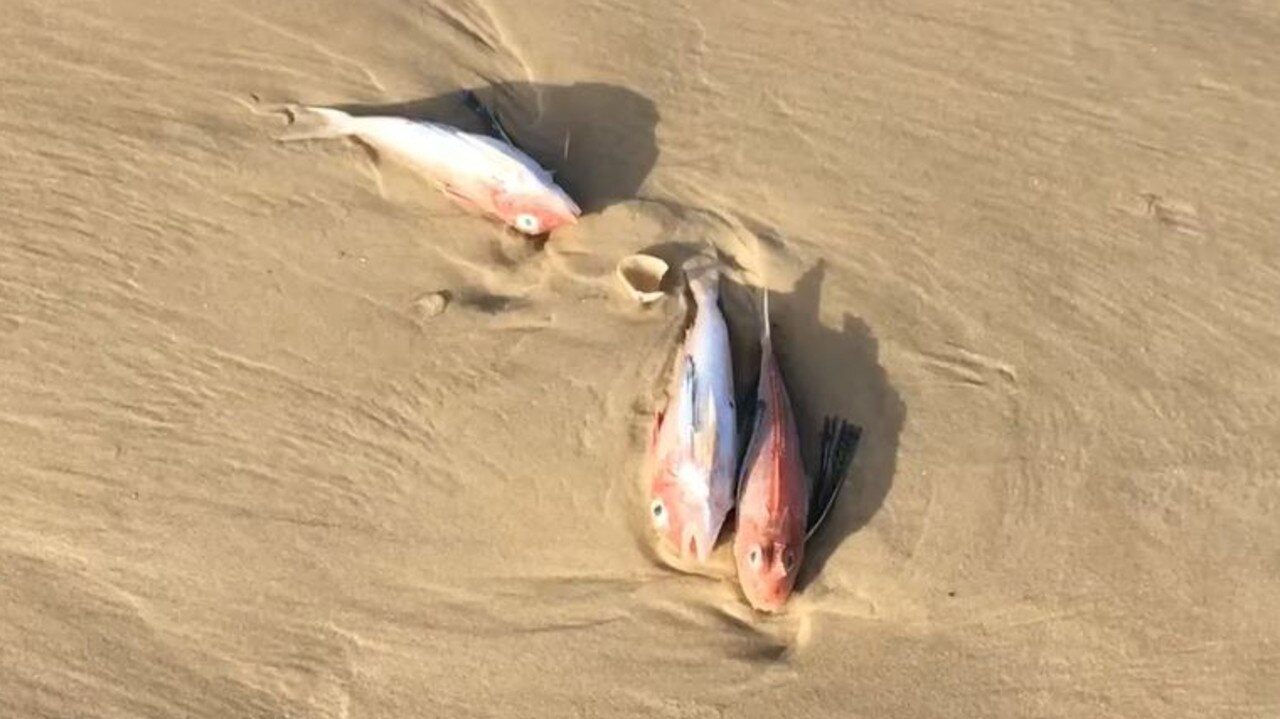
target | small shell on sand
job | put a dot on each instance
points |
(642, 276)
(431, 305)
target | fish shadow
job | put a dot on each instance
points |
(836, 371)
(599, 139)
(828, 371)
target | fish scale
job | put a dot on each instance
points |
(478, 172)
(693, 456)
(779, 506)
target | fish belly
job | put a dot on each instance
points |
(711, 355)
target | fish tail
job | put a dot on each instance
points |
(704, 280)
(316, 123)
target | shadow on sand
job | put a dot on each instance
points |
(828, 371)
(598, 139)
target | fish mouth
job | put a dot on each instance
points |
(769, 600)
(772, 605)
(565, 215)
(697, 544)
(570, 207)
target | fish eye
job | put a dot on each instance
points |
(527, 222)
(788, 560)
(753, 557)
(659, 512)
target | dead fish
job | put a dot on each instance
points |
(693, 446)
(778, 507)
(480, 173)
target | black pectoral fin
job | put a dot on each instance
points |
(839, 442)
(489, 116)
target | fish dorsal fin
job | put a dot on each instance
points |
(766, 332)
(496, 128)
(839, 442)
(754, 444)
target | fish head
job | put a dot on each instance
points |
(684, 516)
(537, 210)
(768, 564)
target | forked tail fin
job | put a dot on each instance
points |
(316, 123)
(703, 274)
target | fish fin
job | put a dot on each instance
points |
(490, 117)
(655, 428)
(745, 422)
(839, 442)
(766, 328)
(756, 438)
(754, 443)
(316, 123)
(466, 202)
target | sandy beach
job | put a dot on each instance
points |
(249, 468)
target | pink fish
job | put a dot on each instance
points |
(693, 447)
(478, 172)
(778, 507)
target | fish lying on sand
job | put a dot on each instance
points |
(478, 172)
(778, 507)
(693, 447)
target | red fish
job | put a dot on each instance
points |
(478, 172)
(778, 507)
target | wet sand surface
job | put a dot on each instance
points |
(250, 469)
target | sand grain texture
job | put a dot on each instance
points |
(285, 434)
